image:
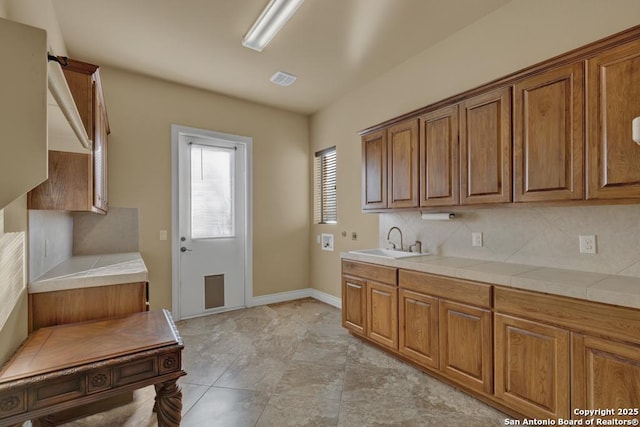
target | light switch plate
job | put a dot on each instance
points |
(476, 239)
(163, 235)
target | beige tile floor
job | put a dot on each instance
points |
(292, 364)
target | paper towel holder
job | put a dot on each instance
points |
(635, 132)
(438, 215)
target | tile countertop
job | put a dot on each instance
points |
(610, 289)
(92, 270)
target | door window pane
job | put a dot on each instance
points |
(212, 192)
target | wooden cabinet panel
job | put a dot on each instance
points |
(464, 291)
(378, 273)
(402, 171)
(606, 374)
(418, 328)
(100, 199)
(613, 85)
(466, 345)
(485, 148)
(439, 171)
(532, 367)
(69, 186)
(549, 136)
(82, 304)
(374, 170)
(354, 305)
(382, 314)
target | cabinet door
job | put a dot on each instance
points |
(466, 345)
(606, 374)
(382, 314)
(485, 148)
(402, 161)
(354, 304)
(532, 367)
(439, 172)
(549, 136)
(418, 327)
(374, 170)
(613, 85)
(100, 200)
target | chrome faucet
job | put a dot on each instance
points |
(389, 235)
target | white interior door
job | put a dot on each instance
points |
(212, 231)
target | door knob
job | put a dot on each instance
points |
(183, 249)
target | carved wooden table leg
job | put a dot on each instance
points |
(168, 404)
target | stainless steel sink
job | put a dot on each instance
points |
(386, 253)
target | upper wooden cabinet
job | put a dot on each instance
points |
(613, 87)
(374, 170)
(555, 133)
(439, 167)
(549, 136)
(77, 181)
(402, 170)
(485, 148)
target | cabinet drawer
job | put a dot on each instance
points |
(378, 273)
(472, 293)
(136, 371)
(578, 315)
(56, 392)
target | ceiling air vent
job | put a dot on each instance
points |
(283, 79)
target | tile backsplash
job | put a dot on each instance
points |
(50, 240)
(103, 234)
(546, 237)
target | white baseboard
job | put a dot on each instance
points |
(326, 298)
(294, 295)
(279, 297)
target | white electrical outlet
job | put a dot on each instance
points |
(588, 244)
(476, 239)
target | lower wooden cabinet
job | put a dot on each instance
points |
(531, 354)
(606, 374)
(382, 314)
(418, 328)
(82, 304)
(439, 329)
(466, 347)
(532, 367)
(354, 305)
(370, 302)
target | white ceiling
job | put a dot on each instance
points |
(331, 45)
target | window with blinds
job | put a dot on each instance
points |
(326, 203)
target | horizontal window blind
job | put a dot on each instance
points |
(326, 203)
(12, 272)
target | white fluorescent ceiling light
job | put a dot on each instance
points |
(270, 21)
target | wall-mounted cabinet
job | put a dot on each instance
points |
(78, 181)
(485, 148)
(439, 154)
(549, 135)
(613, 88)
(519, 139)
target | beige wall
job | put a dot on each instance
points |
(14, 330)
(141, 111)
(515, 36)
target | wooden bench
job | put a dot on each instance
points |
(66, 366)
